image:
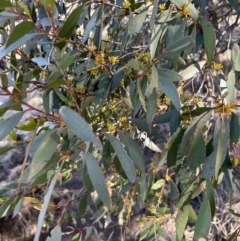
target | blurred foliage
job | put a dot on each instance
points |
(109, 73)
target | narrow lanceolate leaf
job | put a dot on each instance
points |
(181, 221)
(69, 25)
(234, 129)
(5, 51)
(43, 154)
(7, 125)
(178, 46)
(214, 162)
(151, 108)
(198, 153)
(174, 144)
(203, 221)
(79, 126)
(135, 25)
(141, 94)
(170, 90)
(235, 56)
(134, 151)
(19, 31)
(231, 89)
(97, 179)
(209, 38)
(90, 25)
(153, 81)
(193, 133)
(43, 211)
(211, 197)
(169, 74)
(126, 161)
(156, 34)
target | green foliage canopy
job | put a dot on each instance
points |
(101, 89)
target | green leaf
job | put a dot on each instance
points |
(192, 70)
(43, 154)
(43, 211)
(175, 120)
(193, 133)
(7, 125)
(170, 90)
(234, 128)
(158, 184)
(126, 161)
(134, 151)
(135, 24)
(192, 215)
(4, 80)
(79, 126)
(234, 4)
(84, 202)
(48, 3)
(25, 8)
(185, 196)
(69, 25)
(178, 46)
(153, 81)
(5, 4)
(98, 180)
(197, 155)
(157, 32)
(118, 76)
(56, 83)
(151, 108)
(90, 25)
(118, 166)
(233, 236)
(63, 64)
(211, 197)
(86, 179)
(181, 221)
(235, 56)
(29, 125)
(192, 29)
(56, 234)
(174, 144)
(143, 190)
(107, 154)
(141, 94)
(209, 38)
(99, 29)
(5, 150)
(19, 31)
(36, 142)
(232, 91)
(5, 51)
(169, 74)
(203, 221)
(49, 166)
(162, 118)
(234, 213)
(174, 192)
(214, 162)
